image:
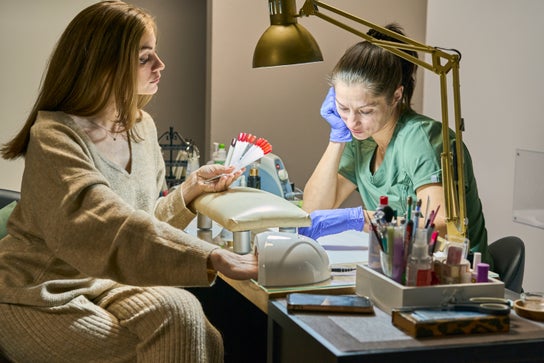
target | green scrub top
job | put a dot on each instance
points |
(412, 160)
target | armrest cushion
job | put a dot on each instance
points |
(5, 212)
(241, 209)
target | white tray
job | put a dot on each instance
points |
(388, 294)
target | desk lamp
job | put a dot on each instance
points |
(287, 42)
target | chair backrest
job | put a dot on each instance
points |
(7, 196)
(508, 255)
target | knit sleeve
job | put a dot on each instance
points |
(88, 226)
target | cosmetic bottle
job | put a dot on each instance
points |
(214, 152)
(476, 259)
(483, 271)
(384, 200)
(419, 266)
(254, 180)
(220, 155)
(384, 211)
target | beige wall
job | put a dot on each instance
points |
(501, 88)
(181, 101)
(28, 32)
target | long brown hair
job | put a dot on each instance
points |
(94, 62)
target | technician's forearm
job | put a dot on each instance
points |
(321, 189)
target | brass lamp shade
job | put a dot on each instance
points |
(286, 44)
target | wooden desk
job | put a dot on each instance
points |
(238, 309)
(305, 337)
(256, 335)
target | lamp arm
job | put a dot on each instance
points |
(442, 62)
(311, 7)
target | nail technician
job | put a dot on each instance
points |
(380, 146)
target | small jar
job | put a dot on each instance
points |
(254, 180)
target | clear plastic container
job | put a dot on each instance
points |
(221, 155)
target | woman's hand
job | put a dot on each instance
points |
(332, 221)
(208, 179)
(233, 265)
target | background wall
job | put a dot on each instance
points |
(181, 101)
(27, 39)
(501, 90)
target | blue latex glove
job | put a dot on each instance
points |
(339, 130)
(331, 221)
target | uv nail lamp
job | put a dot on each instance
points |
(290, 259)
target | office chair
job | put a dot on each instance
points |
(508, 255)
(7, 196)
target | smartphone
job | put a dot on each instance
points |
(329, 303)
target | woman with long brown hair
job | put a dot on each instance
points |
(90, 266)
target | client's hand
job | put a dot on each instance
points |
(233, 265)
(207, 179)
(331, 221)
(339, 130)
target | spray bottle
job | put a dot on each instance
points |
(419, 266)
(193, 158)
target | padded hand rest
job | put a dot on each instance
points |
(242, 209)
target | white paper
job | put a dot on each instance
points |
(346, 248)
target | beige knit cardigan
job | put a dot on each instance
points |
(84, 224)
